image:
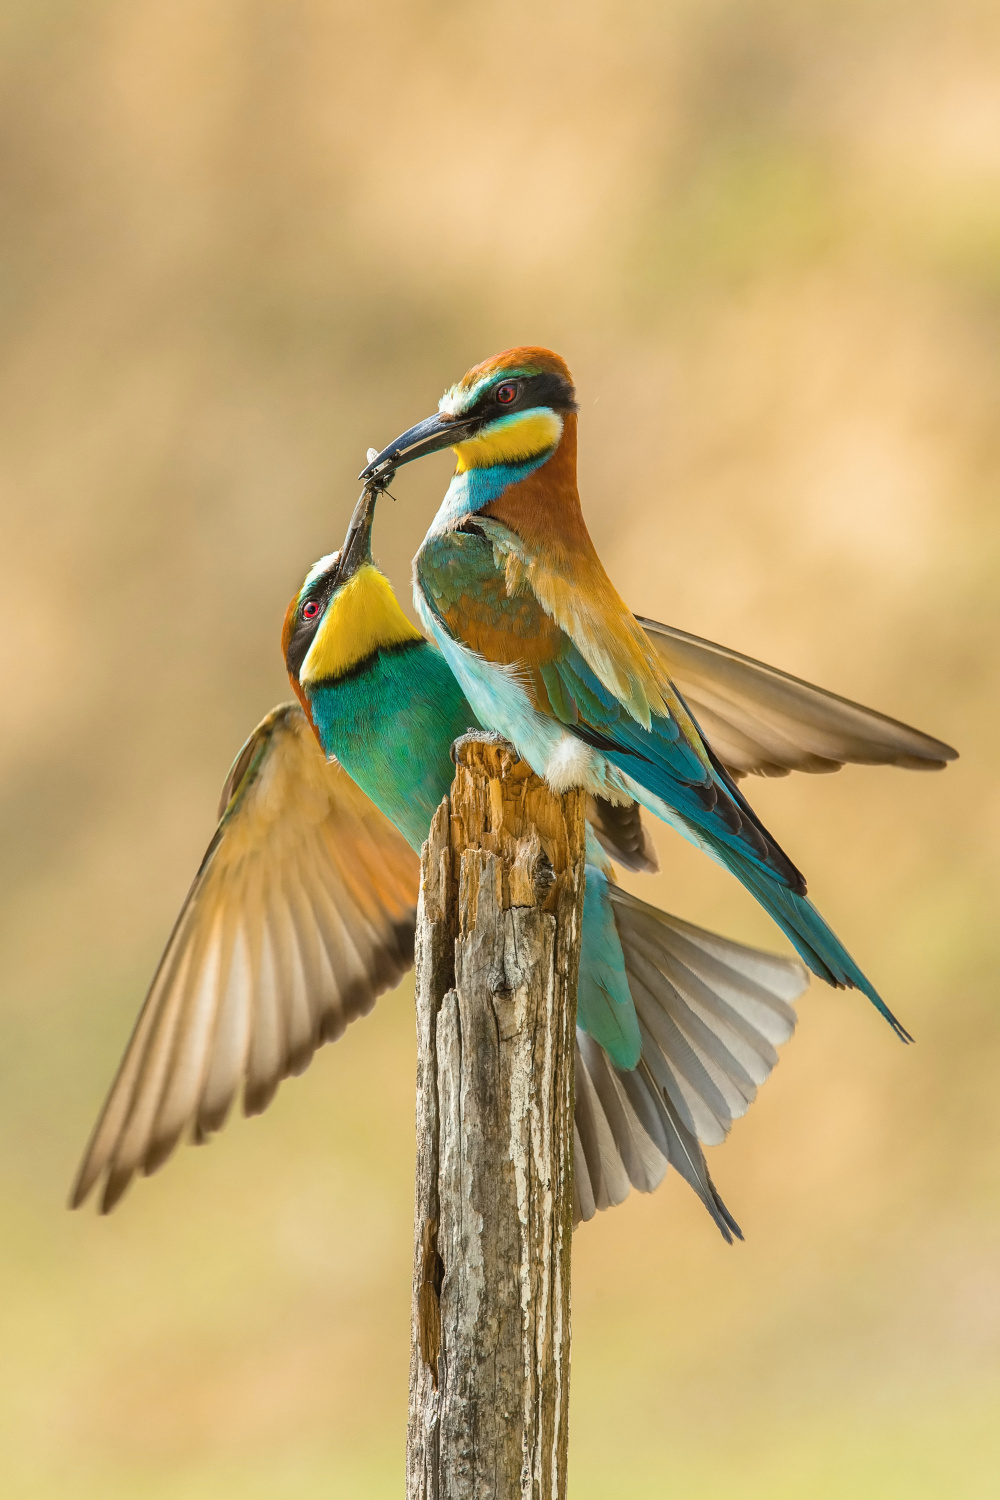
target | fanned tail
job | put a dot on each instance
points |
(627, 1134)
(711, 1015)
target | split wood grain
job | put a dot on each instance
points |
(498, 948)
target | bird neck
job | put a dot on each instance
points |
(543, 506)
(362, 619)
(391, 723)
(479, 487)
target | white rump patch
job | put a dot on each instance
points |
(570, 764)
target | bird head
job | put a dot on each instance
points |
(510, 409)
(344, 612)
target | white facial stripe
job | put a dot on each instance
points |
(457, 400)
(320, 567)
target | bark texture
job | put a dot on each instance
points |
(498, 947)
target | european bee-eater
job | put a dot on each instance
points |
(303, 912)
(509, 585)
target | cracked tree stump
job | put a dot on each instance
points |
(498, 947)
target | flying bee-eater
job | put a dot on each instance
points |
(509, 585)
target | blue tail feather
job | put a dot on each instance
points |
(765, 870)
(816, 944)
(604, 1005)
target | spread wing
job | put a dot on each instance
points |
(301, 915)
(763, 721)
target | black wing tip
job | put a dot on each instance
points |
(636, 862)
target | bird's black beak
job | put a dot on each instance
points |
(357, 548)
(427, 437)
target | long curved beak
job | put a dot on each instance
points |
(357, 548)
(426, 437)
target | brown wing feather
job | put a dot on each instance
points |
(620, 831)
(301, 915)
(760, 720)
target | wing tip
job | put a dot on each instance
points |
(258, 1095)
(78, 1195)
(115, 1186)
(927, 763)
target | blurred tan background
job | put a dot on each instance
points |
(241, 241)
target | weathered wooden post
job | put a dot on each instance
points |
(498, 947)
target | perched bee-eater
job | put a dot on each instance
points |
(303, 911)
(509, 585)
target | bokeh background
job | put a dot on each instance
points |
(240, 241)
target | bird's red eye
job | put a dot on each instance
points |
(506, 393)
(310, 610)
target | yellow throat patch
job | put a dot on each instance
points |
(361, 617)
(511, 440)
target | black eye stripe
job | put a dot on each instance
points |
(544, 389)
(319, 596)
(305, 628)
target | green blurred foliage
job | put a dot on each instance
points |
(240, 242)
